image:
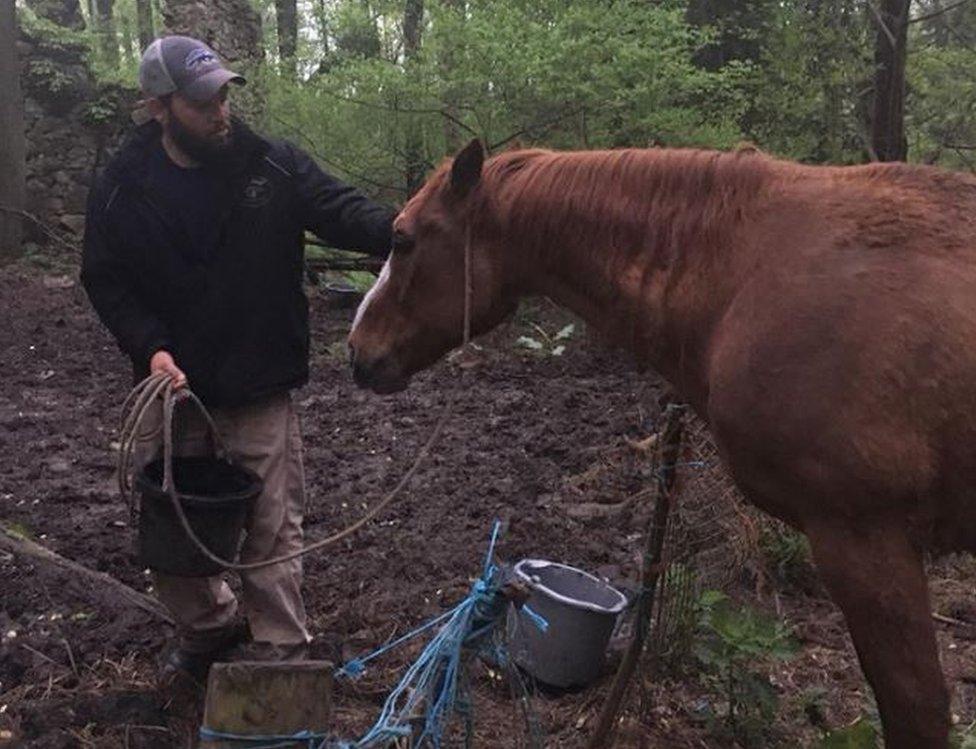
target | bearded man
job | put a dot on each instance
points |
(193, 259)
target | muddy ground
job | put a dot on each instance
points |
(536, 440)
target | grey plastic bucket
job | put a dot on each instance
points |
(581, 610)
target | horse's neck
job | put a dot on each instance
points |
(658, 290)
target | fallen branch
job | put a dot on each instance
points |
(46, 228)
(17, 544)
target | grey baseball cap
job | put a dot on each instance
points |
(183, 64)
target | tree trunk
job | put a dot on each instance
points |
(127, 41)
(413, 15)
(452, 133)
(286, 16)
(891, 43)
(233, 29)
(108, 43)
(144, 23)
(13, 146)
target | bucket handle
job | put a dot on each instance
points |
(169, 403)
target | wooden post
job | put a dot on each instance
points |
(669, 453)
(267, 698)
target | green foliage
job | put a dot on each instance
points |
(942, 105)
(792, 76)
(556, 73)
(361, 281)
(337, 351)
(108, 107)
(786, 554)
(810, 92)
(963, 738)
(46, 75)
(734, 644)
(18, 530)
(52, 38)
(861, 734)
(546, 343)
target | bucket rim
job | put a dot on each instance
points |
(254, 488)
(575, 602)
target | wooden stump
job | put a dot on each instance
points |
(267, 698)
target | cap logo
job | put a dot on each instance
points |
(199, 58)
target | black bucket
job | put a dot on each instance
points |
(216, 497)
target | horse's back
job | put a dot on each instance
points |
(844, 370)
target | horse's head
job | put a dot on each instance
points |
(415, 312)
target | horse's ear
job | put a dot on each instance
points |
(466, 169)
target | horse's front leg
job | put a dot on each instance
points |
(877, 578)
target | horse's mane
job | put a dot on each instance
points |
(607, 200)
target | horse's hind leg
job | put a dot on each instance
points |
(877, 578)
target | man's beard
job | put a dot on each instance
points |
(211, 151)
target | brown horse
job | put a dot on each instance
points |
(822, 320)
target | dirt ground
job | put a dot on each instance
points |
(527, 443)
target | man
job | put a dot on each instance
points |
(193, 260)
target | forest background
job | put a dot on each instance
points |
(380, 90)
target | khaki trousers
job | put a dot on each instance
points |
(266, 438)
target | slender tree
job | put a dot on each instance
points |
(108, 41)
(286, 16)
(888, 139)
(144, 23)
(413, 16)
(13, 147)
(127, 41)
(452, 133)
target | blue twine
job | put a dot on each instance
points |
(311, 739)
(355, 668)
(435, 678)
(537, 619)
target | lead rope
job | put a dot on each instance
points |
(143, 397)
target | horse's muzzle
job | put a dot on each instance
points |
(380, 375)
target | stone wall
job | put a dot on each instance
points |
(71, 124)
(74, 125)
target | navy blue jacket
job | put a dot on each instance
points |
(236, 322)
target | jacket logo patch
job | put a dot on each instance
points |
(257, 192)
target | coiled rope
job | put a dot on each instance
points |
(145, 397)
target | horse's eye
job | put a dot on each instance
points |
(402, 242)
